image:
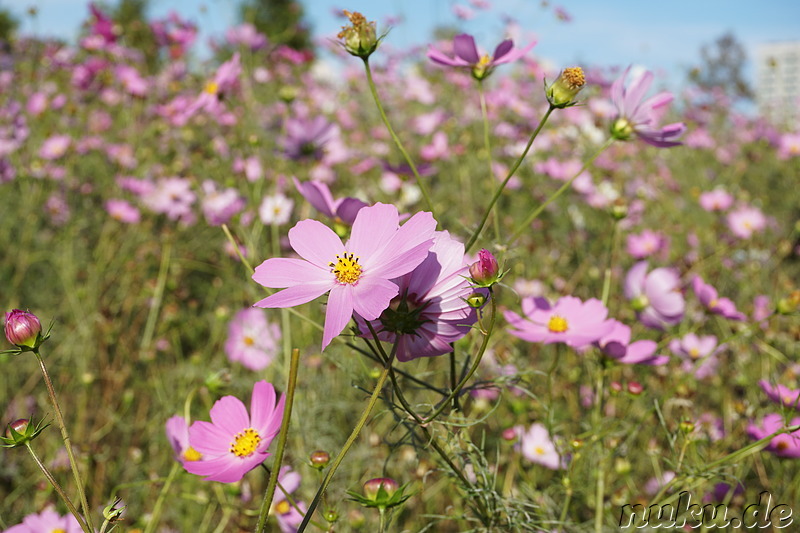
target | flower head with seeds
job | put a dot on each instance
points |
(235, 442)
(356, 274)
(359, 38)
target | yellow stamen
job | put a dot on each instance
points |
(557, 324)
(190, 454)
(694, 353)
(212, 87)
(283, 507)
(539, 450)
(346, 269)
(59, 530)
(573, 77)
(248, 340)
(245, 443)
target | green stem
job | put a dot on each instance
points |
(525, 225)
(350, 440)
(601, 474)
(457, 389)
(282, 437)
(155, 304)
(421, 184)
(59, 490)
(502, 186)
(65, 437)
(155, 517)
(611, 255)
(488, 146)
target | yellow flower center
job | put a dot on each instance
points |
(190, 454)
(59, 530)
(212, 87)
(248, 340)
(484, 60)
(346, 268)
(557, 324)
(573, 77)
(245, 443)
(694, 353)
(712, 304)
(283, 507)
(782, 445)
(539, 450)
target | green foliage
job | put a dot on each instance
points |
(8, 25)
(280, 20)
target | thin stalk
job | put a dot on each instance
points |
(155, 517)
(421, 184)
(282, 437)
(155, 303)
(502, 186)
(59, 490)
(525, 225)
(457, 389)
(453, 377)
(65, 437)
(611, 255)
(488, 146)
(350, 440)
(601, 473)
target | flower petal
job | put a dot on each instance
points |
(464, 47)
(373, 228)
(315, 242)
(372, 296)
(340, 309)
(299, 294)
(230, 414)
(279, 272)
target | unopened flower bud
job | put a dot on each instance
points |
(331, 516)
(562, 92)
(640, 303)
(20, 432)
(510, 434)
(687, 426)
(485, 271)
(616, 387)
(789, 305)
(373, 486)
(476, 300)
(22, 328)
(619, 209)
(319, 459)
(113, 511)
(635, 388)
(20, 426)
(359, 38)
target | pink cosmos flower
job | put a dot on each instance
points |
(235, 442)
(646, 243)
(430, 311)
(716, 200)
(288, 517)
(122, 211)
(617, 345)
(745, 221)
(570, 320)
(783, 445)
(356, 274)
(466, 55)
(655, 296)
(246, 35)
(319, 195)
(710, 299)
(781, 394)
(537, 446)
(178, 435)
(305, 138)
(173, 197)
(275, 209)
(640, 117)
(789, 146)
(55, 147)
(220, 205)
(252, 340)
(699, 354)
(48, 521)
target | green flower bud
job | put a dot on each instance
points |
(562, 92)
(360, 38)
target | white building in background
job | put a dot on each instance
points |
(778, 81)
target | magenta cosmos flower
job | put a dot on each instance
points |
(570, 320)
(745, 221)
(617, 345)
(235, 442)
(783, 445)
(178, 435)
(655, 296)
(356, 274)
(319, 195)
(252, 340)
(48, 521)
(638, 116)
(466, 55)
(699, 354)
(781, 394)
(430, 311)
(710, 299)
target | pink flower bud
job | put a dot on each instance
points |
(373, 487)
(22, 328)
(484, 271)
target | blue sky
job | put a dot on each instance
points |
(662, 36)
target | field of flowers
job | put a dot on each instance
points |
(447, 291)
